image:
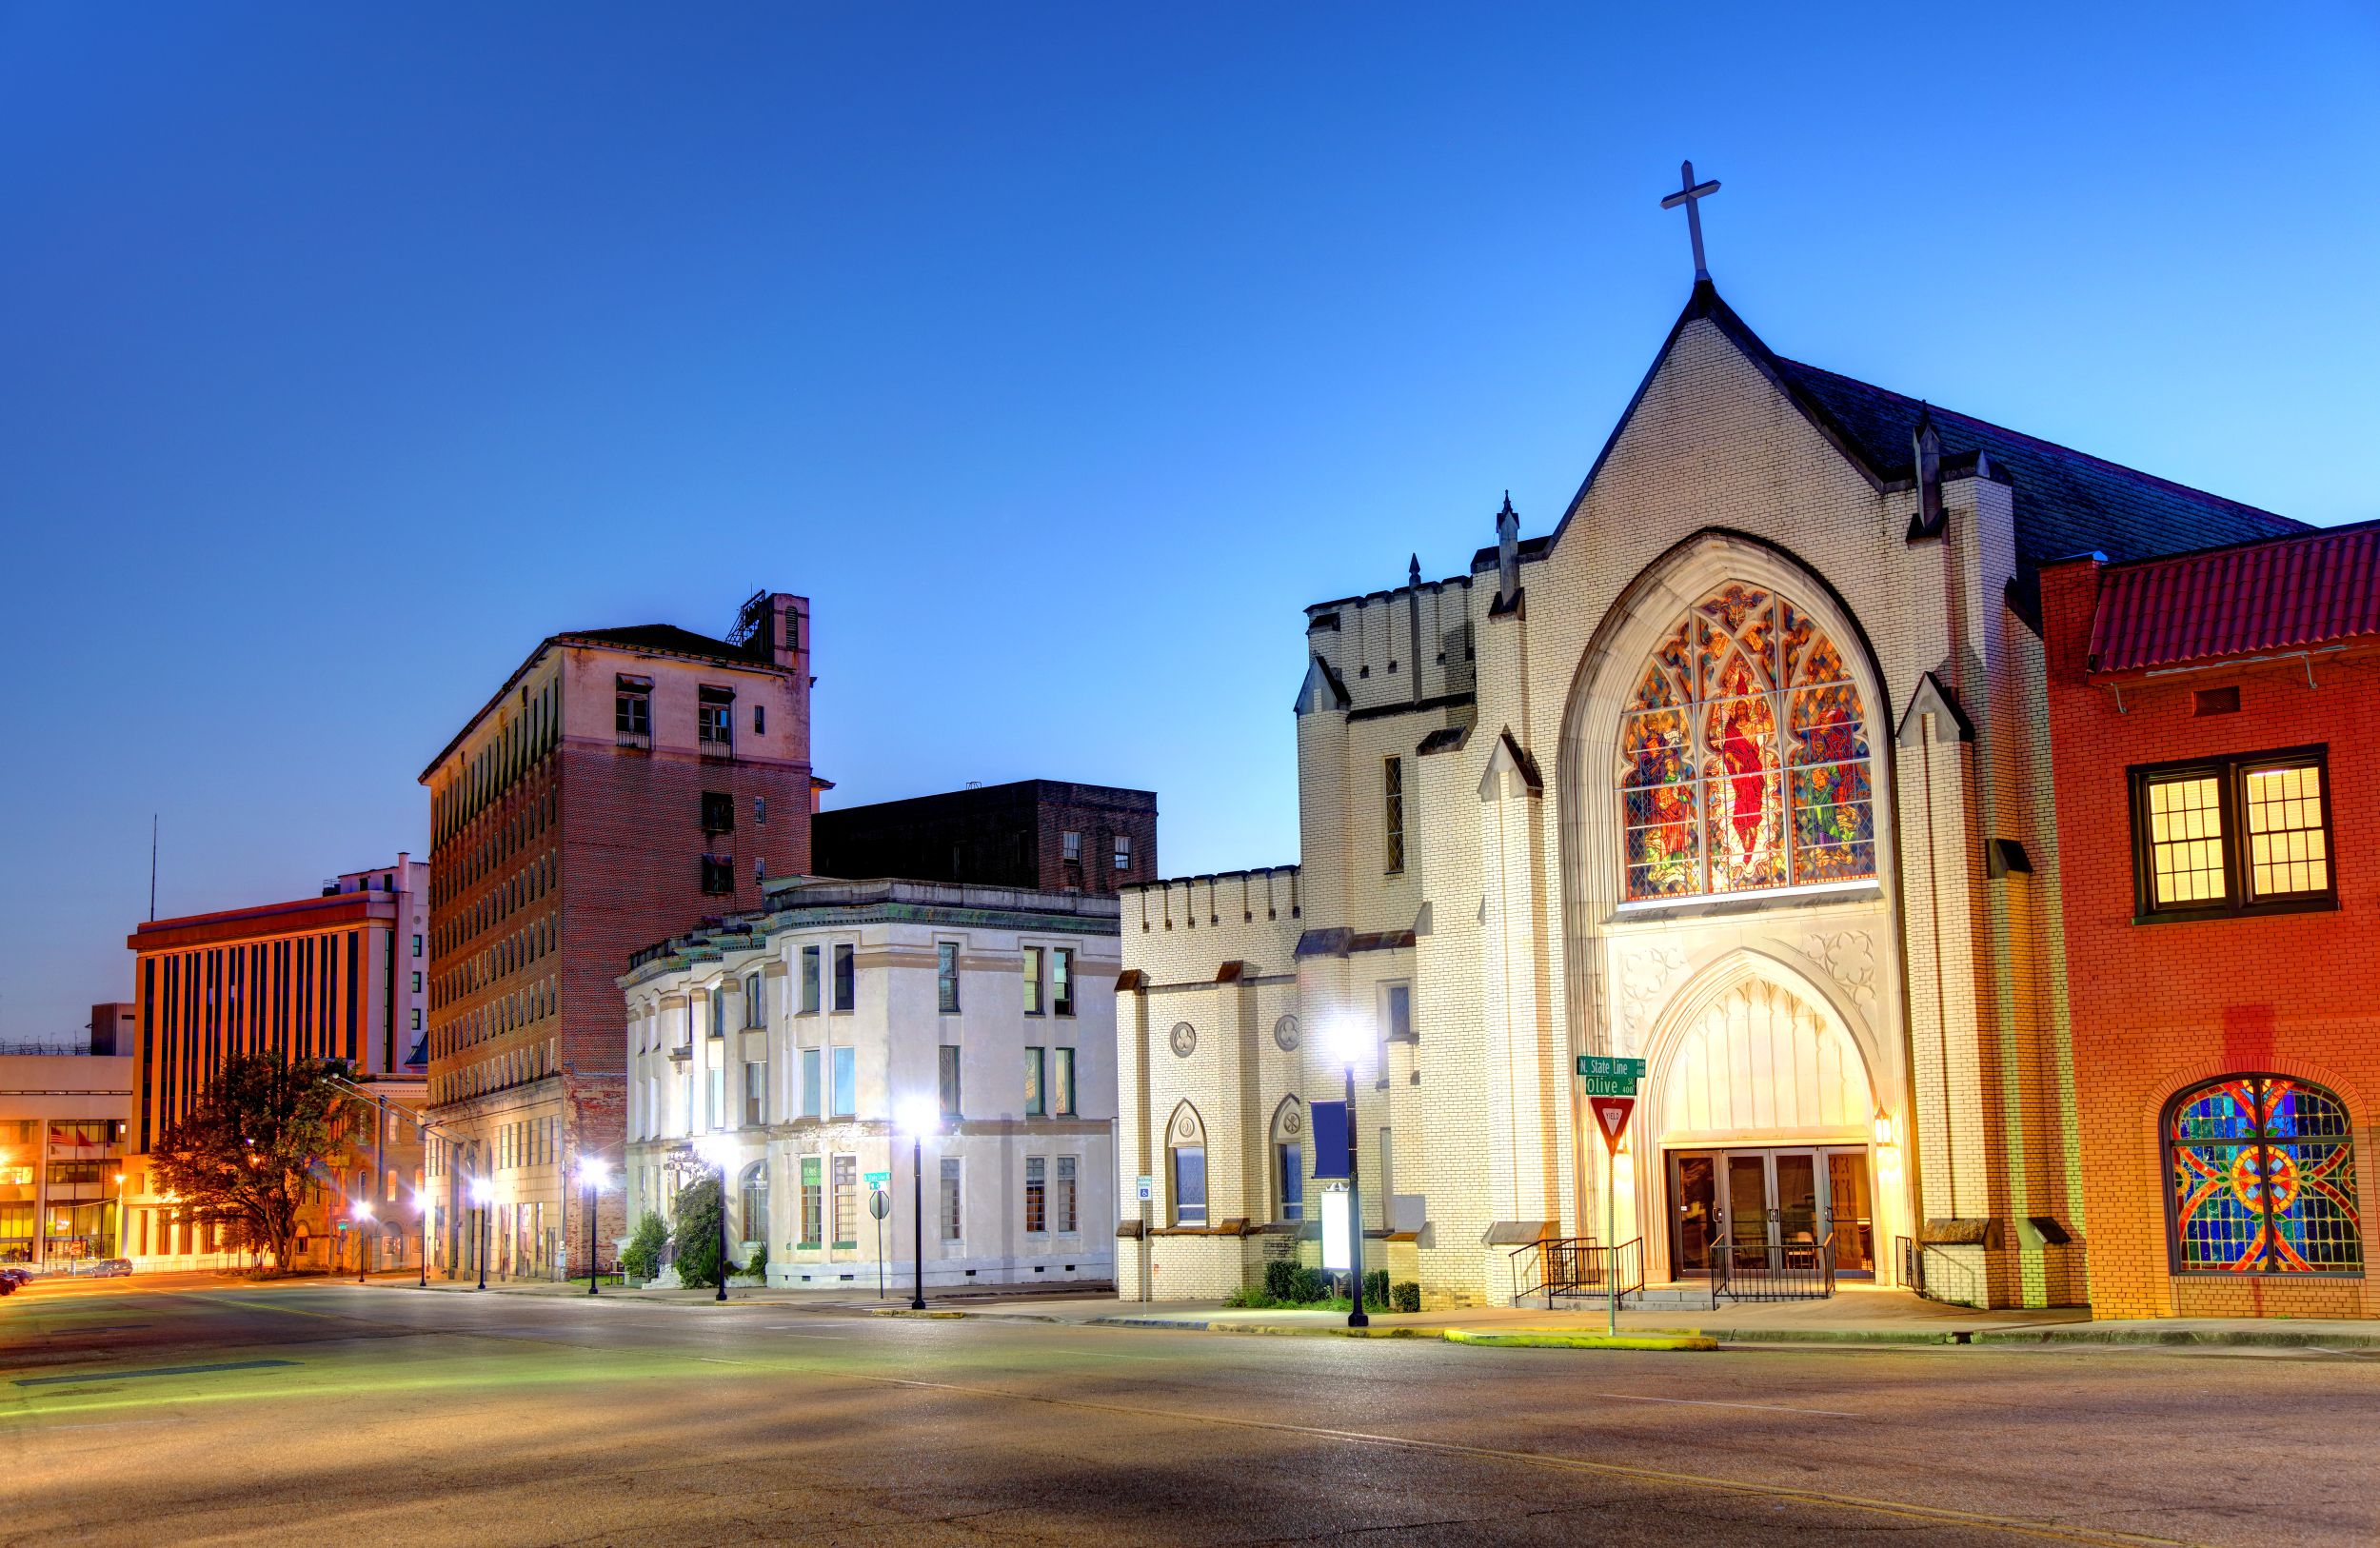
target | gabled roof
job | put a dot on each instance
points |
(2066, 502)
(2315, 588)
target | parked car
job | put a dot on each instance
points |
(14, 1276)
(110, 1267)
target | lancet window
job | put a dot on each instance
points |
(1744, 756)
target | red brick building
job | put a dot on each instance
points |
(2215, 734)
(622, 787)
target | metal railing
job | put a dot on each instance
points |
(1578, 1266)
(1763, 1270)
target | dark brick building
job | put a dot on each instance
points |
(1043, 834)
(622, 787)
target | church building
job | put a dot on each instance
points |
(1740, 771)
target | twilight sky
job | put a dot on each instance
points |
(1062, 355)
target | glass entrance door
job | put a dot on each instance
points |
(1770, 1205)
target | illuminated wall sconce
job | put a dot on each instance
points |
(1884, 1129)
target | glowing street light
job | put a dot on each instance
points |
(482, 1193)
(1344, 1034)
(917, 1117)
(593, 1173)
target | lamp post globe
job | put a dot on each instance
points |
(918, 1116)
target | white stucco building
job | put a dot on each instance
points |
(795, 1034)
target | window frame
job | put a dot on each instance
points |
(2227, 771)
(949, 1069)
(842, 1061)
(813, 980)
(1034, 965)
(1393, 815)
(946, 977)
(844, 979)
(1061, 1076)
(1036, 1080)
(1173, 1186)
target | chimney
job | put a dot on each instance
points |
(1507, 552)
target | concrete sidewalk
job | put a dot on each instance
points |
(1858, 1314)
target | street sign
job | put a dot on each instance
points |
(1593, 1065)
(1610, 1086)
(1611, 1115)
(879, 1180)
(1146, 1189)
(880, 1203)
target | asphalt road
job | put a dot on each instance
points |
(194, 1411)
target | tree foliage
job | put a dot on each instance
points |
(696, 1241)
(641, 1258)
(244, 1156)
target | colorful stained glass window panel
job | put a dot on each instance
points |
(2286, 849)
(2262, 1172)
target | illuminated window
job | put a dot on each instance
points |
(1743, 757)
(2232, 836)
(2262, 1177)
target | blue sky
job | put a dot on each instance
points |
(1060, 356)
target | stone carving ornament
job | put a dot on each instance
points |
(1644, 974)
(1849, 957)
(1285, 1033)
(1183, 1038)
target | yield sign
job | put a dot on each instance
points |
(1612, 1113)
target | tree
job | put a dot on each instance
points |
(641, 1258)
(245, 1153)
(700, 1262)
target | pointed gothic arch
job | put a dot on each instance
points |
(1185, 1169)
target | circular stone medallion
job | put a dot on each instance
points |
(1185, 1038)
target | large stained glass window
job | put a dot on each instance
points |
(1743, 756)
(2262, 1170)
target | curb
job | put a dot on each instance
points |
(2181, 1338)
(905, 1310)
(1580, 1341)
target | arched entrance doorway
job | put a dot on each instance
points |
(1764, 1112)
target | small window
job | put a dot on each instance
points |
(847, 1093)
(714, 718)
(632, 711)
(719, 812)
(946, 977)
(1036, 1098)
(1189, 1167)
(1061, 980)
(811, 1093)
(719, 875)
(417, 981)
(1033, 980)
(846, 1201)
(718, 1010)
(813, 1203)
(1070, 847)
(1064, 1217)
(760, 719)
(755, 1000)
(1063, 1078)
(755, 1096)
(1393, 777)
(1123, 851)
(948, 1054)
(1036, 1195)
(2232, 836)
(760, 810)
(1397, 1012)
(846, 987)
(1289, 1166)
(809, 981)
(417, 945)
(951, 1216)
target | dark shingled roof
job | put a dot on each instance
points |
(2067, 502)
(664, 637)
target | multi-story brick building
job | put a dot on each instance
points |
(621, 786)
(792, 1038)
(1738, 771)
(2214, 725)
(1045, 835)
(339, 975)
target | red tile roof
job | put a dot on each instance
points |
(2283, 594)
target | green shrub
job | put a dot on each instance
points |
(695, 1243)
(758, 1267)
(1375, 1289)
(641, 1258)
(1405, 1296)
(1310, 1285)
(1281, 1278)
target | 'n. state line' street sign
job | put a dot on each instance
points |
(1610, 1086)
(1592, 1065)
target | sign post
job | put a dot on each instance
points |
(880, 1205)
(1610, 1084)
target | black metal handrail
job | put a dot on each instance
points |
(1765, 1270)
(1575, 1266)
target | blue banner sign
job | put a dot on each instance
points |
(1331, 1144)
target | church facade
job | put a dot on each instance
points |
(1740, 771)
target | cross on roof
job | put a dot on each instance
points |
(1688, 192)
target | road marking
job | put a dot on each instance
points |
(1709, 1402)
(1109, 1353)
(1938, 1514)
(788, 1329)
(154, 1370)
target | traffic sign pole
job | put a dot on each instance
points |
(1612, 1113)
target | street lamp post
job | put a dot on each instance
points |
(719, 1151)
(917, 1117)
(591, 1175)
(119, 1244)
(1349, 1037)
(363, 1214)
(421, 1212)
(480, 1194)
